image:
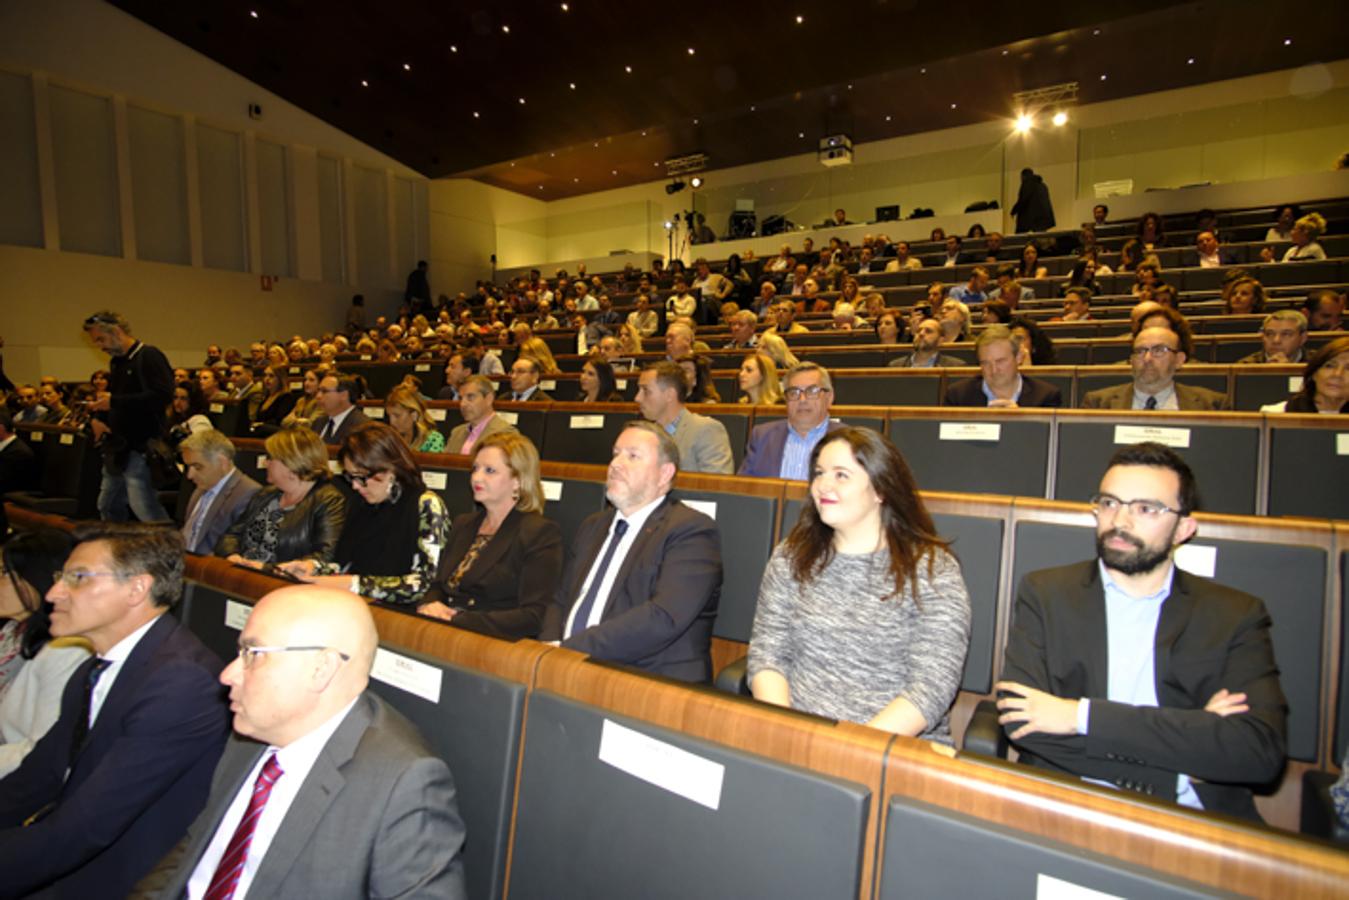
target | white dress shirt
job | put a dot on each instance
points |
(115, 657)
(296, 759)
(635, 523)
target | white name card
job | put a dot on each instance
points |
(295, 370)
(217, 407)
(434, 480)
(1197, 559)
(1137, 434)
(67, 438)
(262, 461)
(297, 385)
(1294, 383)
(552, 490)
(706, 507)
(548, 384)
(335, 467)
(510, 418)
(621, 383)
(366, 357)
(663, 765)
(437, 415)
(236, 614)
(1048, 887)
(970, 431)
(407, 674)
(421, 367)
(35, 436)
(578, 422)
(374, 412)
(1342, 444)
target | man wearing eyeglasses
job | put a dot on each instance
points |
(1131, 673)
(781, 448)
(127, 766)
(337, 398)
(1155, 359)
(323, 790)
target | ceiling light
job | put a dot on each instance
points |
(800, 19)
(1005, 52)
(1103, 78)
(1023, 123)
(475, 115)
(953, 106)
(695, 121)
(407, 67)
(1097, 31)
(512, 165)
(616, 172)
(628, 69)
(566, 8)
(887, 118)
(1190, 61)
(695, 182)
(800, 134)
(674, 187)
(253, 13)
(572, 85)
(576, 181)
(522, 101)
(1060, 119)
(506, 29)
(540, 187)
(643, 134)
(668, 225)
(751, 109)
(453, 48)
(922, 71)
(690, 51)
(1288, 42)
(364, 83)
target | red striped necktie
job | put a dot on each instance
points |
(226, 877)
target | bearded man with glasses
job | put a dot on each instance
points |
(1155, 358)
(1128, 672)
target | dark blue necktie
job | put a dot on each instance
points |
(588, 601)
(82, 723)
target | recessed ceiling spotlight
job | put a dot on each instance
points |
(253, 13)
(1190, 61)
(615, 171)
(572, 85)
(1060, 119)
(566, 8)
(522, 101)
(643, 134)
(1103, 78)
(849, 87)
(800, 19)
(1288, 42)
(552, 155)
(407, 67)
(364, 83)
(690, 51)
(695, 121)
(1004, 53)
(1023, 123)
(696, 181)
(1096, 32)
(576, 181)
(953, 106)
(922, 71)
(453, 48)
(505, 29)
(751, 109)
(597, 143)
(628, 69)
(512, 165)
(800, 134)
(540, 187)
(475, 114)
(887, 118)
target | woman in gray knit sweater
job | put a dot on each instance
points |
(863, 614)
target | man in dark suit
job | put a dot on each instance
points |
(110, 788)
(221, 493)
(525, 377)
(1128, 671)
(18, 466)
(337, 399)
(1208, 253)
(642, 581)
(782, 448)
(1001, 385)
(354, 805)
(1156, 357)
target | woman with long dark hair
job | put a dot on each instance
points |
(863, 614)
(1325, 383)
(598, 384)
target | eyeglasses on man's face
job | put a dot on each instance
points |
(249, 655)
(1108, 505)
(1156, 351)
(796, 393)
(75, 578)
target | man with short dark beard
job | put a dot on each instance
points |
(1131, 673)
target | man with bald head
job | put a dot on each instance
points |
(323, 790)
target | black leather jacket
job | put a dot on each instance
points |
(309, 530)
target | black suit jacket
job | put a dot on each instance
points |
(658, 616)
(1034, 392)
(354, 418)
(141, 779)
(508, 396)
(1208, 637)
(18, 472)
(507, 590)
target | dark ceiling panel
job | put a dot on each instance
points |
(756, 82)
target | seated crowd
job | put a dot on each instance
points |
(862, 614)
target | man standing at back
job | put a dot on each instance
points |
(782, 448)
(140, 386)
(703, 443)
(643, 579)
(1132, 673)
(324, 790)
(111, 787)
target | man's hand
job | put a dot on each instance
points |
(99, 428)
(1225, 704)
(1039, 711)
(300, 568)
(437, 610)
(101, 403)
(1001, 403)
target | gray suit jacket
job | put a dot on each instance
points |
(943, 361)
(376, 817)
(703, 445)
(1188, 398)
(229, 505)
(459, 434)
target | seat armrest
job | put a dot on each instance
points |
(1318, 812)
(732, 679)
(983, 734)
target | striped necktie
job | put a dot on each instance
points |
(226, 877)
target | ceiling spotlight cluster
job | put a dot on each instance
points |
(1029, 104)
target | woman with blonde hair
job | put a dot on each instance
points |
(630, 339)
(758, 380)
(1306, 230)
(407, 413)
(501, 567)
(776, 349)
(536, 348)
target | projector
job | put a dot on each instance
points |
(835, 150)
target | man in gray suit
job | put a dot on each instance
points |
(702, 441)
(1156, 357)
(476, 399)
(222, 491)
(323, 791)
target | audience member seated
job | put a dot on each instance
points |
(1243, 296)
(536, 349)
(1282, 229)
(49, 396)
(1283, 336)
(888, 329)
(245, 389)
(112, 786)
(1009, 290)
(187, 413)
(643, 578)
(397, 519)
(1151, 232)
(1306, 232)
(375, 806)
(476, 400)
(993, 251)
(1156, 357)
(209, 382)
(1208, 253)
(902, 259)
(758, 380)
(338, 395)
(1154, 315)
(973, 292)
(742, 326)
(1000, 385)
(1325, 383)
(406, 412)
(1076, 306)
(306, 408)
(598, 384)
(1148, 275)
(784, 320)
(1324, 310)
(927, 340)
(1030, 267)
(278, 401)
(31, 411)
(697, 371)
(1082, 275)
(299, 515)
(782, 448)
(1131, 673)
(954, 318)
(34, 668)
(1130, 255)
(458, 366)
(776, 349)
(499, 572)
(1100, 213)
(681, 302)
(1165, 294)
(996, 312)
(524, 385)
(954, 256)
(220, 491)
(863, 614)
(630, 341)
(702, 441)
